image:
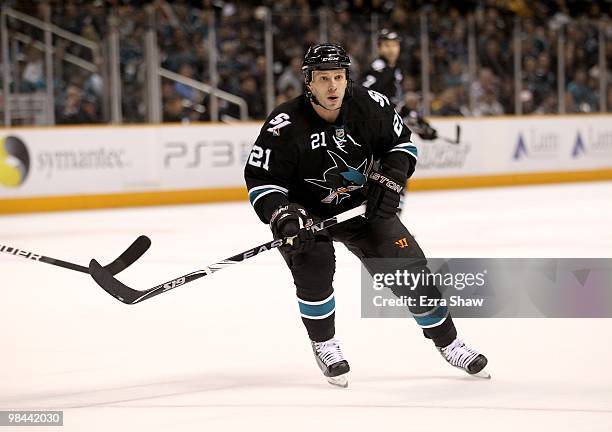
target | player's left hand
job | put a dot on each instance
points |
(383, 194)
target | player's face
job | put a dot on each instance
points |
(328, 87)
(390, 50)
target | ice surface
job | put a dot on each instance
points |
(229, 352)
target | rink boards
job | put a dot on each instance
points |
(108, 166)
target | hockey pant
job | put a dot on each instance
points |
(313, 274)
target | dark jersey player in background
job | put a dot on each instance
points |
(313, 159)
(384, 74)
(386, 77)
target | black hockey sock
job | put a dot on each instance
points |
(320, 330)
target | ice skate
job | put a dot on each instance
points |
(331, 362)
(465, 358)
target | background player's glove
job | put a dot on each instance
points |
(286, 221)
(425, 131)
(420, 126)
(384, 191)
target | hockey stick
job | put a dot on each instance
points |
(457, 138)
(126, 259)
(128, 295)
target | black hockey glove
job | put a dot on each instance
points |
(421, 127)
(384, 191)
(426, 132)
(286, 221)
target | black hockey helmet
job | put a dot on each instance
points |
(323, 57)
(386, 34)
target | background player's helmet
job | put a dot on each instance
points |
(386, 34)
(323, 57)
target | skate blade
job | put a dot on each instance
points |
(338, 381)
(482, 374)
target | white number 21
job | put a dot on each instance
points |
(255, 157)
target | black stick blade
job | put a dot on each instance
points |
(111, 285)
(131, 254)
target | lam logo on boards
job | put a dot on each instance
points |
(593, 144)
(14, 162)
(536, 145)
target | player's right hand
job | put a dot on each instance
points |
(286, 222)
(383, 194)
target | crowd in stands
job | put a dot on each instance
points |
(183, 29)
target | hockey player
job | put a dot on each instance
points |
(386, 77)
(313, 159)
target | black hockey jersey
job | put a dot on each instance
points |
(384, 79)
(300, 158)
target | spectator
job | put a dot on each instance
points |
(292, 76)
(454, 77)
(488, 105)
(89, 110)
(448, 104)
(174, 111)
(570, 105)
(70, 112)
(492, 58)
(527, 103)
(545, 82)
(33, 73)
(487, 82)
(583, 97)
(253, 97)
(183, 90)
(548, 106)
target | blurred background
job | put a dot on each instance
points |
(125, 62)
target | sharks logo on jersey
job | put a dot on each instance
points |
(340, 179)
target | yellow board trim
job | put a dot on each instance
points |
(82, 202)
(508, 179)
(133, 199)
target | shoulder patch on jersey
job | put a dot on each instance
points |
(378, 65)
(364, 108)
(277, 123)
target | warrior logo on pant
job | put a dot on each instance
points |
(402, 243)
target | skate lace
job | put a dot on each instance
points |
(329, 351)
(458, 354)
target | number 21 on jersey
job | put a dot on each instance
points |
(255, 158)
(317, 140)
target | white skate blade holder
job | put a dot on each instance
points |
(338, 381)
(483, 374)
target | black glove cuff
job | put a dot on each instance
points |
(288, 220)
(291, 210)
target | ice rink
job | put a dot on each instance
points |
(228, 352)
